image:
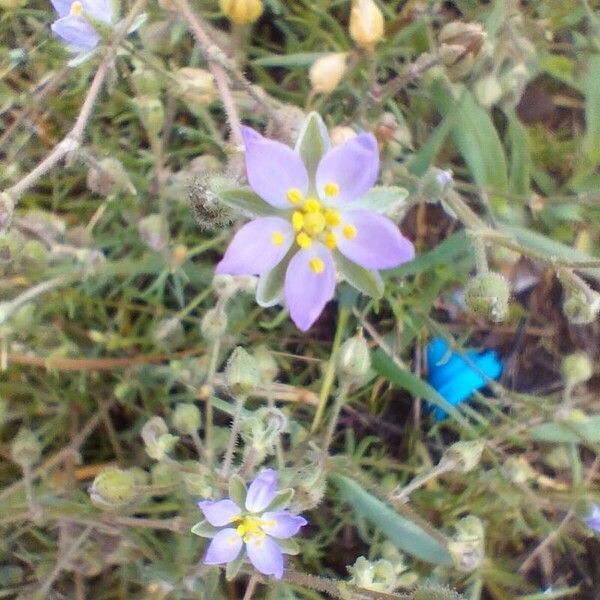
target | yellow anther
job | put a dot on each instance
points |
(331, 241)
(311, 205)
(316, 265)
(76, 9)
(349, 232)
(304, 240)
(332, 218)
(297, 220)
(277, 238)
(331, 189)
(294, 196)
(314, 223)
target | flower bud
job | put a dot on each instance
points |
(241, 373)
(113, 489)
(242, 11)
(157, 37)
(145, 80)
(465, 455)
(354, 359)
(198, 484)
(261, 430)
(109, 178)
(341, 134)
(197, 86)
(224, 286)
(157, 439)
(366, 24)
(7, 208)
(186, 418)
(266, 364)
(25, 448)
(151, 113)
(214, 324)
(153, 232)
(327, 72)
(460, 45)
(518, 470)
(487, 91)
(581, 308)
(378, 576)
(467, 549)
(576, 368)
(487, 294)
(164, 476)
(435, 184)
(168, 333)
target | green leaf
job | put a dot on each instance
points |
(587, 430)
(382, 199)
(281, 500)
(591, 142)
(289, 546)
(520, 157)
(233, 567)
(385, 367)
(204, 529)
(424, 158)
(269, 290)
(237, 490)
(246, 201)
(402, 532)
(365, 281)
(313, 142)
(300, 59)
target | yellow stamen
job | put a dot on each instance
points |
(250, 528)
(332, 217)
(294, 196)
(277, 238)
(297, 220)
(304, 240)
(331, 241)
(331, 189)
(314, 223)
(311, 205)
(349, 232)
(316, 265)
(76, 9)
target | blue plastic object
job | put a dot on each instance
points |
(453, 377)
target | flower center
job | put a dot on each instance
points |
(76, 9)
(250, 527)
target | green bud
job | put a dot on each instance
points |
(214, 324)
(153, 233)
(465, 455)
(576, 368)
(261, 430)
(145, 81)
(378, 576)
(186, 418)
(460, 44)
(353, 360)
(487, 91)
(581, 308)
(468, 546)
(518, 470)
(487, 294)
(266, 363)
(224, 286)
(109, 178)
(157, 439)
(241, 373)
(152, 115)
(157, 37)
(164, 476)
(435, 184)
(198, 484)
(168, 333)
(7, 209)
(113, 489)
(25, 448)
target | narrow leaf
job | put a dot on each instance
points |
(246, 201)
(365, 281)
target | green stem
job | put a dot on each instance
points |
(340, 400)
(235, 428)
(208, 427)
(343, 315)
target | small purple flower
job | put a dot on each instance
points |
(76, 21)
(253, 527)
(593, 520)
(315, 221)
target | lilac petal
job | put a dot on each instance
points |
(62, 7)
(306, 291)
(76, 31)
(221, 512)
(353, 167)
(593, 520)
(378, 243)
(273, 169)
(257, 247)
(225, 546)
(99, 9)
(266, 556)
(282, 524)
(261, 491)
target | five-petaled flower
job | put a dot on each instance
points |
(78, 21)
(255, 527)
(314, 220)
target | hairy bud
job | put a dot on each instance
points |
(460, 45)
(327, 72)
(109, 178)
(242, 12)
(151, 113)
(467, 548)
(435, 184)
(378, 576)
(168, 333)
(488, 91)
(153, 233)
(354, 359)
(186, 418)
(197, 86)
(113, 489)
(487, 294)
(266, 364)
(366, 24)
(581, 308)
(25, 448)
(210, 213)
(241, 373)
(465, 455)
(157, 439)
(576, 368)
(214, 324)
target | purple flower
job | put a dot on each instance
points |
(593, 520)
(316, 221)
(259, 530)
(77, 21)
